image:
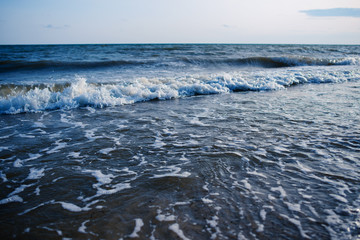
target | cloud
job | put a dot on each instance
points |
(50, 26)
(333, 12)
(228, 26)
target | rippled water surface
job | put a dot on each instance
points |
(183, 141)
(248, 165)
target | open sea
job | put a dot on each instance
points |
(180, 141)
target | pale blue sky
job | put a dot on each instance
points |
(179, 21)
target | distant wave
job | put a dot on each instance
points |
(264, 62)
(9, 66)
(277, 62)
(41, 97)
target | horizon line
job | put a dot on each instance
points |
(173, 43)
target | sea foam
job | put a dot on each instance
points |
(83, 94)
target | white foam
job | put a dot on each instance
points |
(106, 151)
(26, 136)
(39, 125)
(213, 223)
(207, 201)
(59, 145)
(158, 142)
(280, 190)
(40, 205)
(294, 206)
(138, 224)
(82, 94)
(165, 218)
(3, 176)
(195, 121)
(260, 227)
(57, 179)
(33, 156)
(297, 223)
(36, 173)
(59, 232)
(90, 134)
(82, 228)
(100, 177)
(37, 191)
(72, 207)
(114, 189)
(175, 173)
(176, 229)
(74, 154)
(3, 148)
(257, 174)
(18, 163)
(339, 198)
(180, 203)
(246, 184)
(20, 189)
(14, 198)
(106, 179)
(263, 214)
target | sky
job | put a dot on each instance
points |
(179, 21)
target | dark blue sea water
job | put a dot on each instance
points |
(180, 142)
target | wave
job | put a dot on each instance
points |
(9, 65)
(41, 97)
(277, 62)
(264, 62)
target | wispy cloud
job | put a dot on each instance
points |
(51, 26)
(228, 26)
(333, 12)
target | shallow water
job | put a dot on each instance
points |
(249, 165)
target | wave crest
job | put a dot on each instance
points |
(264, 62)
(34, 98)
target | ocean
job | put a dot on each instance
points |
(180, 141)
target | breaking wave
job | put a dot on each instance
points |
(40, 97)
(264, 62)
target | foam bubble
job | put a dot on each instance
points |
(165, 218)
(280, 190)
(106, 151)
(72, 207)
(36, 173)
(175, 172)
(82, 228)
(176, 229)
(3, 176)
(18, 163)
(14, 198)
(297, 223)
(105, 179)
(138, 224)
(100, 177)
